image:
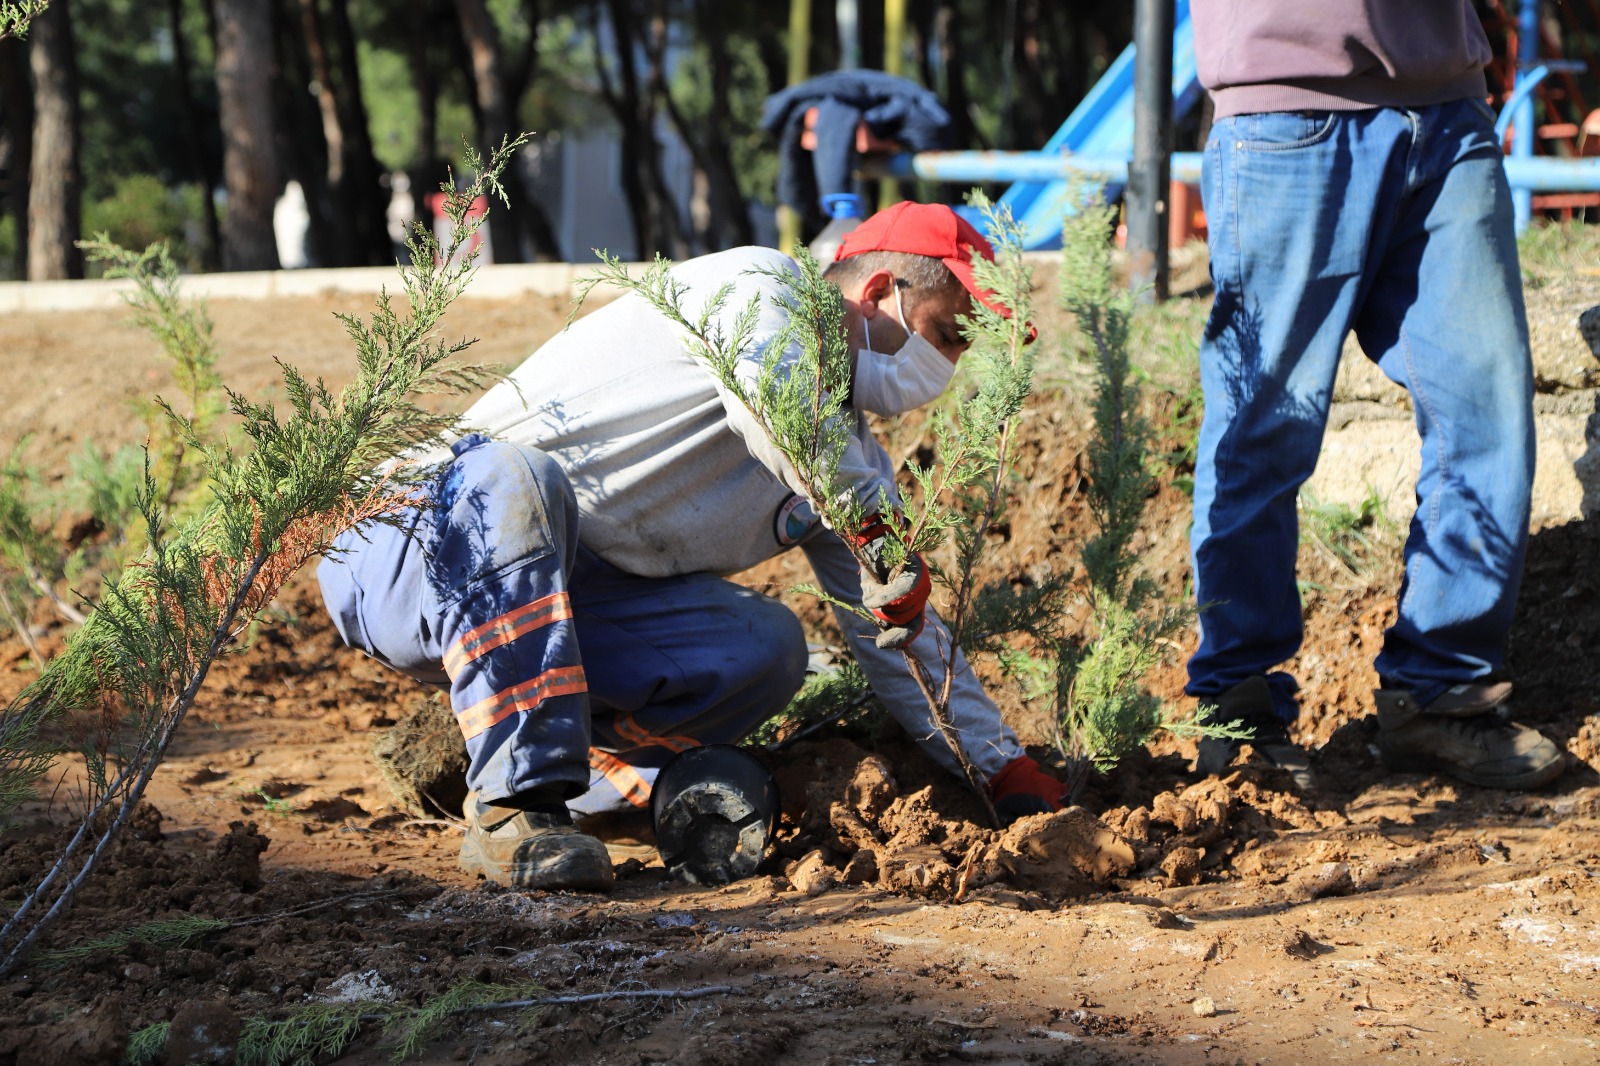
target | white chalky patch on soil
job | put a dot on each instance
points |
(463, 903)
(368, 985)
(1532, 930)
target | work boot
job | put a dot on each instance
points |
(532, 849)
(1468, 734)
(1249, 704)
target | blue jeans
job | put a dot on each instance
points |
(562, 669)
(1396, 224)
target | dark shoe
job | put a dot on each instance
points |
(1249, 704)
(1468, 734)
(532, 849)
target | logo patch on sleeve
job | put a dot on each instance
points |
(793, 520)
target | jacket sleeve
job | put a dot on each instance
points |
(988, 741)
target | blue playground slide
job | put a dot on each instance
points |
(1101, 126)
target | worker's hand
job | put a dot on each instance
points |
(1021, 788)
(896, 600)
(897, 603)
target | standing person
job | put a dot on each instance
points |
(1353, 181)
(567, 583)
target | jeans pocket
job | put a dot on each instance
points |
(1282, 131)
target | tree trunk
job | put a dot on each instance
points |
(56, 185)
(200, 168)
(249, 167)
(730, 213)
(16, 152)
(655, 221)
(497, 111)
(339, 250)
(426, 171)
(369, 202)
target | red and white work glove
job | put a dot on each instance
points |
(1022, 788)
(896, 600)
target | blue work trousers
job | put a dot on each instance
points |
(557, 662)
(1397, 224)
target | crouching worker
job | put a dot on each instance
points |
(566, 583)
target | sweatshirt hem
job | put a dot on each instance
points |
(1342, 94)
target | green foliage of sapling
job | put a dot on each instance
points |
(1103, 709)
(129, 676)
(307, 1035)
(415, 1030)
(16, 14)
(162, 933)
(147, 1046)
(842, 695)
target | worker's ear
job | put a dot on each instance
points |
(878, 287)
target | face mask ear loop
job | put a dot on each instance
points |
(899, 312)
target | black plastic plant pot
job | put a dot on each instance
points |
(714, 809)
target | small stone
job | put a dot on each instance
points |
(812, 874)
(203, 1031)
(1204, 1007)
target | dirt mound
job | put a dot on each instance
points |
(858, 824)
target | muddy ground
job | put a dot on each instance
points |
(1173, 920)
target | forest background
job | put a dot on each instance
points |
(183, 120)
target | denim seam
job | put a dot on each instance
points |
(1221, 458)
(1421, 397)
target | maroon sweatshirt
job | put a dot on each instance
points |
(1337, 55)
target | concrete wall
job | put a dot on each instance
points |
(1372, 439)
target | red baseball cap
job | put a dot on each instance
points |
(926, 229)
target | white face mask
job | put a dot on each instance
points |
(891, 384)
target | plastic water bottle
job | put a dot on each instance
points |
(844, 211)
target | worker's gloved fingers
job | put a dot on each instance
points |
(897, 638)
(902, 598)
(875, 596)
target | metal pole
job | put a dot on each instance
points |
(894, 37)
(894, 62)
(1522, 137)
(1149, 176)
(1542, 173)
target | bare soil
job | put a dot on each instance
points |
(1171, 919)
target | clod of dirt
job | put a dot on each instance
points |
(96, 1034)
(1063, 854)
(862, 868)
(423, 760)
(872, 788)
(1182, 866)
(812, 874)
(1204, 1007)
(203, 1031)
(917, 870)
(237, 856)
(1327, 879)
(1585, 743)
